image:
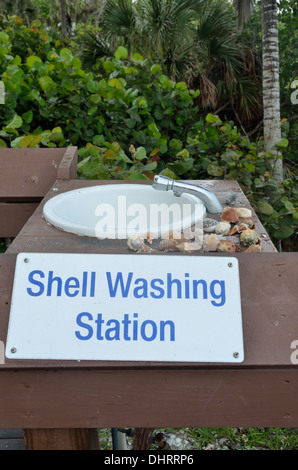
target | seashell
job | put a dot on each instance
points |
(169, 245)
(243, 212)
(210, 242)
(226, 246)
(146, 249)
(209, 225)
(254, 249)
(249, 237)
(243, 227)
(234, 239)
(189, 247)
(223, 228)
(150, 237)
(175, 235)
(135, 242)
(234, 230)
(229, 214)
(247, 221)
(191, 233)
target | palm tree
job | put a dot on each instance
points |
(193, 40)
(271, 91)
(244, 9)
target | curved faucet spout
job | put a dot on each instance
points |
(212, 204)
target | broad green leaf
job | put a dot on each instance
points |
(4, 38)
(3, 144)
(283, 232)
(66, 56)
(76, 63)
(136, 176)
(109, 66)
(130, 70)
(155, 69)
(150, 166)
(121, 53)
(283, 142)
(289, 206)
(214, 170)
(93, 86)
(31, 60)
(169, 174)
(153, 128)
(250, 167)
(137, 57)
(266, 208)
(140, 153)
(32, 95)
(30, 141)
(115, 83)
(14, 74)
(15, 123)
(28, 116)
(181, 86)
(15, 143)
(46, 83)
(211, 118)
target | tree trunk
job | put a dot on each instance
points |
(63, 18)
(271, 92)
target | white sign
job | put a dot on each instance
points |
(125, 308)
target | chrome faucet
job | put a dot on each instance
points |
(212, 204)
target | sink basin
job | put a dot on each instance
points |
(122, 210)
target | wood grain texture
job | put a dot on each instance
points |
(260, 392)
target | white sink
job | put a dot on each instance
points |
(122, 210)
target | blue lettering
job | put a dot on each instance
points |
(170, 282)
(141, 291)
(157, 288)
(114, 332)
(36, 283)
(51, 280)
(143, 330)
(163, 324)
(81, 324)
(119, 280)
(69, 286)
(222, 294)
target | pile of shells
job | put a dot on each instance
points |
(235, 231)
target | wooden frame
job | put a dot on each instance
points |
(25, 178)
(69, 399)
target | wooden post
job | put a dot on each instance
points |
(142, 438)
(61, 439)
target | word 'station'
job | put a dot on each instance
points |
(125, 307)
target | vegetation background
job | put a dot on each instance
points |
(176, 87)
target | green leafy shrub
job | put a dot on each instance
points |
(129, 121)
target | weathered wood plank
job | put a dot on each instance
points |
(269, 311)
(83, 398)
(13, 217)
(31, 172)
(12, 444)
(12, 439)
(61, 439)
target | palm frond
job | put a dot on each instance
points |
(94, 47)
